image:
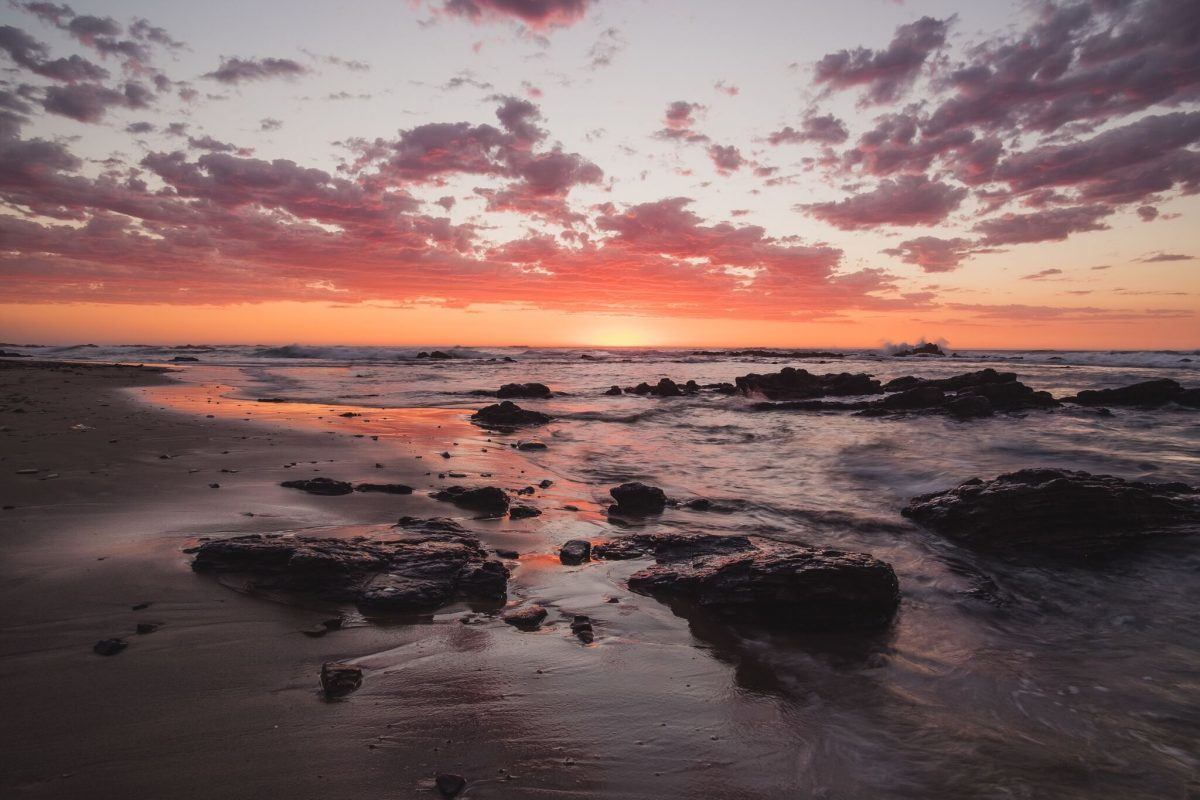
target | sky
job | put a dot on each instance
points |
(601, 172)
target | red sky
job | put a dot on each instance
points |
(602, 172)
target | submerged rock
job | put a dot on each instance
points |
(575, 551)
(637, 499)
(338, 679)
(670, 546)
(774, 584)
(534, 390)
(508, 414)
(323, 486)
(524, 512)
(419, 569)
(449, 784)
(485, 499)
(1057, 510)
(799, 384)
(1146, 393)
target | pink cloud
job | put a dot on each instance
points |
(907, 200)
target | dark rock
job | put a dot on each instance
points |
(449, 785)
(526, 618)
(485, 499)
(508, 414)
(1057, 510)
(613, 390)
(798, 384)
(666, 388)
(507, 553)
(440, 354)
(722, 388)
(144, 628)
(272, 400)
(109, 647)
(538, 390)
(323, 486)
(1147, 393)
(638, 499)
(528, 446)
(917, 397)
(431, 564)
(523, 512)
(338, 679)
(386, 488)
(779, 585)
(1010, 396)
(970, 406)
(902, 384)
(545, 483)
(929, 349)
(575, 551)
(1189, 398)
(670, 546)
(185, 358)
(581, 626)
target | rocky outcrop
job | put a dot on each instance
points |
(664, 388)
(637, 499)
(770, 583)
(532, 390)
(929, 349)
(440, 355)
(760, 353)
(1146, 393)
(1057, 510)
(429, 564)
(613, 391)
(799, 384)
(485, 499)
(324, 486)
(508, 414)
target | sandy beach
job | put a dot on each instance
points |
(223, 699)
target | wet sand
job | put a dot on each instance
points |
(222, 700)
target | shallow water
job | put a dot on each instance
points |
(1000, 678)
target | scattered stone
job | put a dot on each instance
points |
(485, 499)
(508, 414)
(545, 483)
(144, 628)
(507, 553)
(139, 607)
(386, 488)
(339, 679)
(637, 499)
(109, 647)
(576, 551)
(449, 784)
(523, 512)
(529, 390)
(526, 618)
(185, 358)
(1057, 510)
(670, 546)
(527, 446)
(322, 486)
(581, 626)
(613, 390)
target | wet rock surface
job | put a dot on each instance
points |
(1147, 393)
(323, 486)
(530, 390)
(526, 618)
(385, 488)
(423, 566)
(485, 499)
(508, 414)
(799, 384)
(1057, 510)
(765, 583)
(338, 679)
(929, 349)
(637, 499)
(576, 551)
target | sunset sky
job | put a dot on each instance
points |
(609, 172)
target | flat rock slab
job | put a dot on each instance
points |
(1057, 510)
(486, 499)
(508, 415)
(416, 570)
(771, 583)
(324, 486)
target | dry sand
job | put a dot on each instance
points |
(222, 701)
